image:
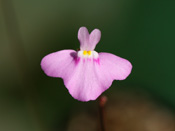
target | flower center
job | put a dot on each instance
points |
(88, 54)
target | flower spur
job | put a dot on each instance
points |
(86, 73)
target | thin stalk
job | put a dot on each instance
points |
(102, 102)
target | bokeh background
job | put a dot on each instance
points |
(141, 31)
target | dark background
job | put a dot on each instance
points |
(141, 31)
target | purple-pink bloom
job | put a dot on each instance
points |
(86, 73)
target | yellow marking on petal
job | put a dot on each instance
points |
(89, 52)
(84, 52)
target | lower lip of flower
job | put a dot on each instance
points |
(88, 54)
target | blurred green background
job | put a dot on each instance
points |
(141, 31)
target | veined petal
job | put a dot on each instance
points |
(85, 78)
(87, 81)
(58, 63)
(117, 67)
(88, 42)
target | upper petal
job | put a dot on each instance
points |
(57, 63)
(83, 37)
(88, 42)
(94, 38)
(118, 68)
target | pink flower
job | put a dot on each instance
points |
(86, 73)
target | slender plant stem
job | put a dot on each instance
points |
(102, 102)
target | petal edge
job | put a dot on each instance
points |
(119, 68)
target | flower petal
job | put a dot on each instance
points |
(88, 42)
(94, 38)
(83, 37)
(87, 81)
(56, 64)
(117, 67)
